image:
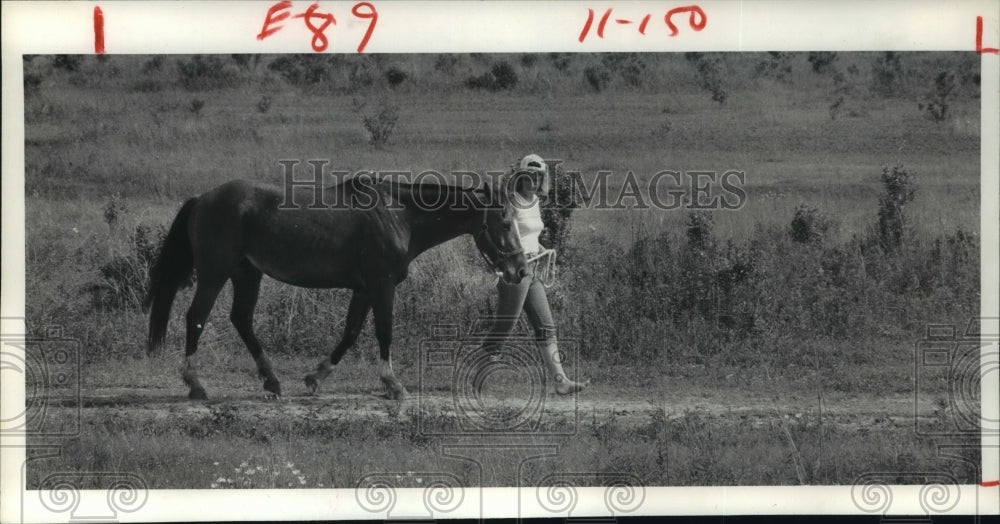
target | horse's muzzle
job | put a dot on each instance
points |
(515, 277)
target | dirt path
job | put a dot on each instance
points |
(159, 404)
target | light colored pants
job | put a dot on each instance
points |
(528, 296)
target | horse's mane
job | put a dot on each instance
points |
(390, 183)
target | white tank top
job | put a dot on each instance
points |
(528, 217)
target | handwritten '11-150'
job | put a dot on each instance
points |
(697, 21)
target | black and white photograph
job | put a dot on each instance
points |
(407, 278)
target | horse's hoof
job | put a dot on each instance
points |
(197, 394)
(270, 395)
(399, 393)
(272, 385)
(312, 385)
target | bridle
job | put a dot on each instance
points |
(498, 255)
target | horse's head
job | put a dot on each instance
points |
(497, 237)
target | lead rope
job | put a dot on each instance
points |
(546, 268)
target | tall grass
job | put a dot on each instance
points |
(231, 447)
(632, 284)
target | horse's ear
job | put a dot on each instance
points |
(491, 194)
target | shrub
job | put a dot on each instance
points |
(699, 230)
(501, 76)
(246, 62)
(953, 264)
(114, 210)
(709, 74)
(67, 62)
(395, 76)
(196, 106)
(362, 75)
(446, 63)
(561, 61)
(124, 278)
(558, 208)
(504, 75)
(777, 65)
(205, 72)
(153, 65)
(304, 70)
(597, 76)
(809, 225)
(32, 84)
(697, 284)
(822, 61)
(629, 66)
(968, 73)
(264, 104)
(846, 98)
(379, 125)
(663, 130)
(887, 74)
(937, 99)
(898, 189)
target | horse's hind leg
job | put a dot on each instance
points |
(204, 297)
(357, 312)
(246, 288)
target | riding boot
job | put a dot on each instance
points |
(553, 366)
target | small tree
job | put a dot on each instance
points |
(563, 198)
(809, 225)
(380, 124)
(937, 99)
(395, 76)
(777, 65)
(822, 61)
(709, 74)
(898, 189)
(597, 76)
(887, 74)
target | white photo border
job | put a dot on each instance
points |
(142, 27)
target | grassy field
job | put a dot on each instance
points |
(114, 145)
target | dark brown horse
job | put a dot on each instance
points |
(359, 235)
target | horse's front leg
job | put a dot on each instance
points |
(357, 311)
(382, 309)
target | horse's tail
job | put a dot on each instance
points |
(171, 270)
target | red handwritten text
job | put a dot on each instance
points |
(98, 30)
(697, 20)
(979, 39)
(273, 17)
(319, 41)
(317, 22)
(372, 15)
(693, 20)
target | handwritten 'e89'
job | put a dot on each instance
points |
(280, 12)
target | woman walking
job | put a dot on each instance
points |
(530, 181)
